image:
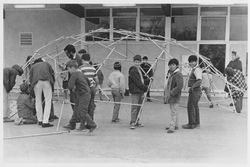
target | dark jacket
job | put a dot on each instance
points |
(25, 106)
(100, 77)
(175, 85)
(235, 64)
(42, 71)
(134, 81)
(9, 78)
(80, 82)
(145, 67)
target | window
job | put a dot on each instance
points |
(213, 28)
(238, 24)
(96, 23)
(95, 19)
(152, 22)
(184, 24)
(211, 11)
(25, 39)
(125, 19)
(216, 54)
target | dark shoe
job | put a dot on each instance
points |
(40, 123)
(54, 117)
(211, 106)
(188, 126)
(170, 131)
(116, 120)
(139, 125)
(46, 125)
(132, 126)
(175, 128)
(92, 128)
(51, 119)
(70, 126)
(6, 119)
(231, 104)
(149, 100)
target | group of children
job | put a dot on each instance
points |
(83, 84)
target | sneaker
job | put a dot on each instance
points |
(70, 126)
(231, 104)
(175, 128)
(188, 126)
(81, 129)
(40, 123)
(19, 121)
(116, 120)
(170, 131)
(51, 119)
(149, 100)
(139, 125)
(6, 119)
(132, 126)
(211, 106)
(46, 125)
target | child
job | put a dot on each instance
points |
(206, 85)
(117, 84)
(9, 81)
(236, 78)
(194, 84)
(79, 84)
(174, 87)
(100, 77)
(26, 108)
(137, 89)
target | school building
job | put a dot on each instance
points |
(211, 30)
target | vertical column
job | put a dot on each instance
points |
(111, 25)
(227, 35)
(137, 26)
(168, 36)
(83, 32)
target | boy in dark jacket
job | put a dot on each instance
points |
(146, 74)
(194, 84)
(235, 63)
(26, 108)
(173, 93)
(79, 84)
(137, 89)
(9, 81)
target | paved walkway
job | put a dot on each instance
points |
(222, 138)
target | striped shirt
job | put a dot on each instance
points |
(90, 72)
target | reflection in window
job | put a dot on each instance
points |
(125, 24)
(239, 10)
(238, 28)
(216, 54)
(213, 28)
(184, 28)
(184, 11)
(205, 11)
(153, 25)
(96, 23)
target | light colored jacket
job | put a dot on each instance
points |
(117, 81)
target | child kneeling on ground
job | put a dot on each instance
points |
(25, 107)
(174, 87)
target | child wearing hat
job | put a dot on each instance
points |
(137, 89)
(26, 108)
(117, 84)
(9, 81)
